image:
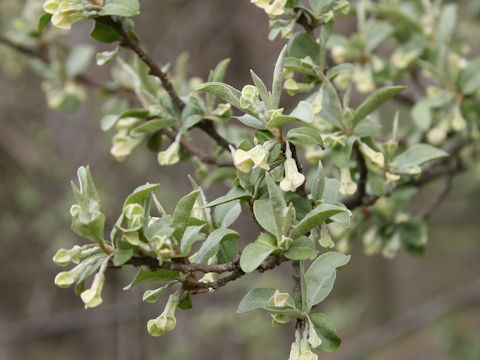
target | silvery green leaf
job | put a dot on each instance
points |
(255, 299)
(304, 136)
(399, 15)
(152, 126)
(160, 275)
(191, 235)
(422, 114)
(302, 45)
(225, 215)
(319, 5)
(216, 75)
(210, 247)
(416, 155)
(140, 193)
(320, 277)
(182, 213)
(314, 218)
(374, 101)
(223, 91)
(277, 204)
(469, 78)
(235, 193)
(251, 121)
(326, 332)
(280, 120)
(304, 112)
(302, 248)
(318, 183)
(263, 214)
(339, 69)
(78, 60)
(332, 109)
(446, 23)
(277, 83)
(377, 33)
(253, 255)
(331, 192)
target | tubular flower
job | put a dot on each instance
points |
(92, 297)
(375, 157)
(293, 178)
(347, 186)
(256, 157)
(166, 321)
(67, 278)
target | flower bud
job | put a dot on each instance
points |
(401, 59)
(325, 238)
(135, 214)
(249, 96)
(63, 257)
(371, 242)
(458, 122)
(67, 278)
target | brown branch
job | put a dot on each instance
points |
(360, 197)
(128, 41)
(410, 321)
(198, 287)
(430, 172)
(24, 50)
(428, 211)
(192, 149)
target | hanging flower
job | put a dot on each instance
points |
(92, 297)
(256, 157)
(293, 178)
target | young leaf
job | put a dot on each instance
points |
(212, 244)
(320, 277)
(262, 90)
(78, 60)
(374, 101)
(225, 215)
(152, 296)
(253, 255)
(255, 299)
(277, 83)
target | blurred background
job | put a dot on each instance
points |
(405, 308)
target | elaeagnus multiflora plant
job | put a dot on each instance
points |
(317, 177)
